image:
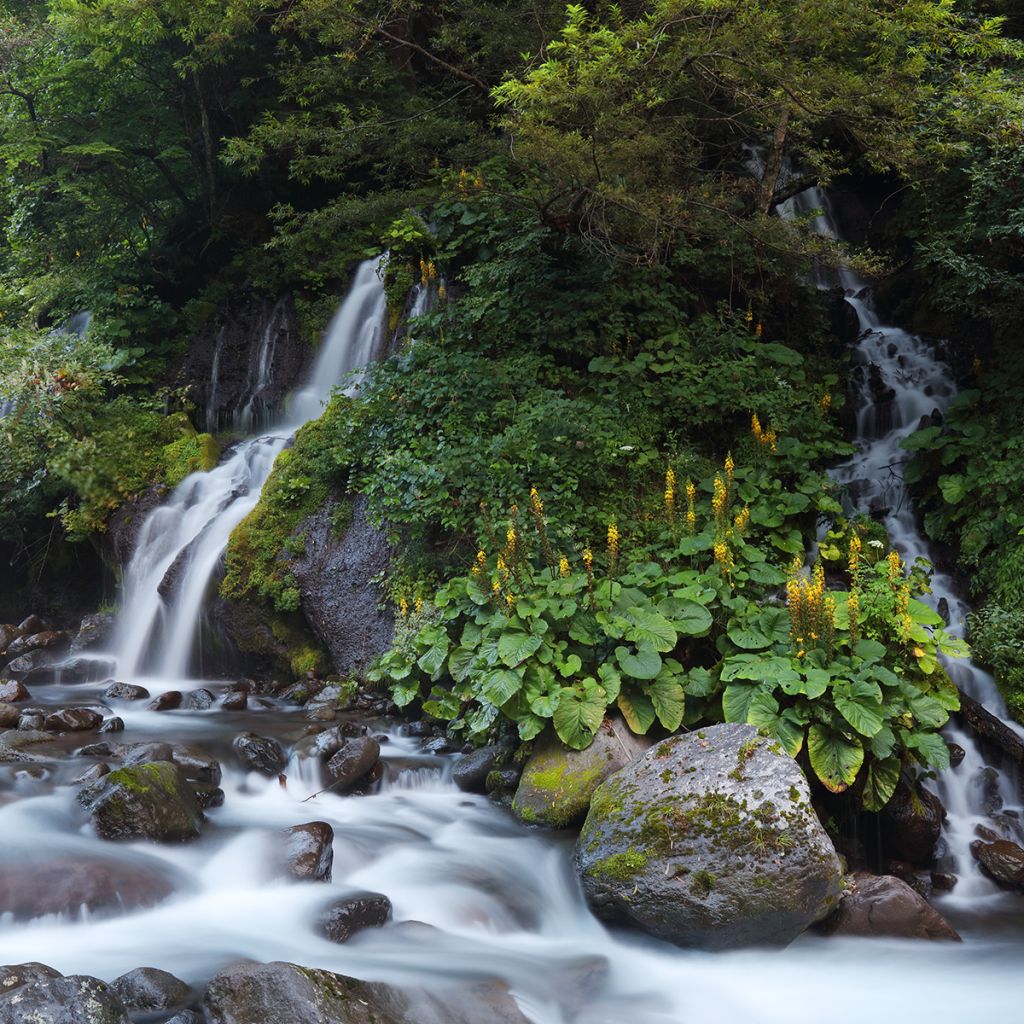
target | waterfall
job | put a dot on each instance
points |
(255, 408)
(180, 544)
(915, 383)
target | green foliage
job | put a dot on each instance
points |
(193, 453)
(997, 640)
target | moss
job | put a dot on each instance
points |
(193, 453)
(702, 882)
(621, 867)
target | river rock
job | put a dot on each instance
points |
(355, 760)
(882, 905)
(147, 988)
(186, 1017)
(44, 641)
(199, 700)
(709, 840)
(8, 633)
(92, 632)
(912, 823)
(112, 725)
(342, 919)
(14, 744)
(471, 770)
(125, 691)
(234, 700)
(91, 774)
(258, 753)
(31, 720)
(9, 716)
(557, 783)
(196, 763)
(1002, 861)
(142, 753)
(306, 852)
(75, 999)
(13, 692)
(21, 667)
(32, 624)
(169, 701)
(68, 885)
(73, 720)
(145, 801)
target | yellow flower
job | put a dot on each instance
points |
(535, 500)
(755, 428)
(588, 559)
(895, 569)
(759, 330)
(510, 538)
(749, 315)
(918, 652)
(729, 466)
(442, 292)
(563, 566)
(825, 402)
(419, 605)
(403, 607)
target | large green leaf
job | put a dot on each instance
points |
(637, 710)
(700, 682)
(669, 701)
(651, 629)
(531, 726)
(460, 662)
(748, 638)
(811, 682)
(835, 759)
(644, 664)
(882, 779)
(432, 659)
(860, 703)
(691, 618)
(928, 711)
(736, 700)
(514, 647)
(784, 727)
(611, 681)
(500, 686)
(578, 717)
(930, 746)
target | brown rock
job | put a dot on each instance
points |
(166, 701)
(306, 851)
(912, 823)
(234, 700)
(1002, 861)
(73, 720)
(353, 761)
(9, 716)
(883, 905)
(13, 692)
(351, 914)
(8, 633)
(36, 642)
(33, 624)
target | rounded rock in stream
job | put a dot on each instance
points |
(258, 753)
(14, 692)
(9, 716)
(1002, 861)
(147, 988)
(125, 691)
(882, 905)
(709, 840)
(351, 914)
(306, 852)
(73, 720)
(145, 801)
(356, 759)
(41, 996)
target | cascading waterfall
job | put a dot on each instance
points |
(899, 379)
(255, 409)
(180, 544)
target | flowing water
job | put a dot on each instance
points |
(475, 895)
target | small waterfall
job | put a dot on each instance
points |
(255, 410)
(211, 399)
(181, 543)
(899, 379)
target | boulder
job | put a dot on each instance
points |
(234, 700)
(199, 700)
(912, 823)
(13, 692)
(92, 632)
(169, 701)
(73, 720)
(125, 691)
(144, 801)
(340, 920)
(557, 783)
(147, 988)
(355, 760)
(32, 624)
(76, 999)
(470, 772)
(709, 840)
(306, 852)
(8, 633)
(9, 716)
(21, 667)
(1002, 861)
(882, 905)
(259, 753)
(14, 744)
(47, 640)
(196, 763)
(186, 1017)
(111, 725)
(69, 885)
(91, 774)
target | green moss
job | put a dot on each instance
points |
(621, 867)
(193, 453)
(702, 882)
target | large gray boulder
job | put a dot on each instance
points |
(709, 840)
(143, 801)
(557, 783)
(35, 994)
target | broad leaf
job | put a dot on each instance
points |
(700, 682)
(736, 700)
(578, 718)
(764, 714)
(651, 629)
(500, 686)
(748, 639)
(637, 710)
(644, 664)
(835, 759)
(514, 647)
(882, 779)
(860, 704)
(669, 702)
(930, 746)
(691, 618)
(433, 658)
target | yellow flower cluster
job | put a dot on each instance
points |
(895, 567)
(901, 592)
(730, 467)
(670, 494)
(720, 507)
(759, 329)
(723, 558)
(613, 547)
(428, 272)
(854, 557)
(563, 566)
(403, 607)
(811, 609)
(765, 437)
(742, 520)
(419, 605)
(691, 511)
(588, 559)
(853, 608)
(535, 500)
(825, 402)
(480, 564)
(749, 316)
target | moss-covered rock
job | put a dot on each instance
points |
(709, 840)
(143, 801)
(557, 783)
(193, 453)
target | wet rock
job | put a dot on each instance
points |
(306, 852)
(125, 691)
(882, 905)
(1002, 861)
(9, 716)
(142, 753)
(73, 720)
(169, 701)
(943, 881)
(91, 774)
(259, 753)
(81, 669)
(32, 624)
(987, 781)
(343, 918)
(471, 770)
(990, 729)
(199, 700)
(45, 641)
(912, 823)
(147, 988)
(13, 693)
(988, 834)
(956, 754)
(209, 796)
(75, 999)
(99, 750)
(92, 632)
(234, 700)
(112, 725)
(14, 975)
(709, 840)
(919, 881)
(186, 1017)
(145, 801)
(23, 666)
(328, 701)
(301, 692)
(503, 780)
(419, 730)
(8, 633)
(15, 744)
(196, 763)
(67, 885)
(31, 721)
(356, 759)
(557, 783)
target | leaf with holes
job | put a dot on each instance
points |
(651, 629)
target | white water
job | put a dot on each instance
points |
(186, 535)
(255, 408)
(921, 384)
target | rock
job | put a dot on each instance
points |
(956, 754)
(709, 840)
(356, 759)
(31, 721)
(69, 884)
(1002, 861)
(91, 774)
(147, 988)
(22, 666)
(259, 753)
(306, 852)
(196, 763)
(98, 750)
(142, 753)
(13, 744)
(234, 700)
(502, 780)
(342, 919)
(145, 801)
(990, 729)
(32, 624)
(943, 882)
(92, 632)
(199, 700)
(169, 701)
(13, 693)
(338, 579)
(209, 796)
(988, 834)
(471, 770)
(882, 905)
(186, 1017)
(55, 1000)
(73, 720)
(557, 783)
(8, 633)
(112, 725)
(912, 823)
(44, 641)
(86, 668)
(125, 691)
(987, 781)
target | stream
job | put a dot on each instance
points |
(475, 894)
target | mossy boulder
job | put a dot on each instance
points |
(557, 783)
(40, 995)
(709, 840)
(143, 801)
